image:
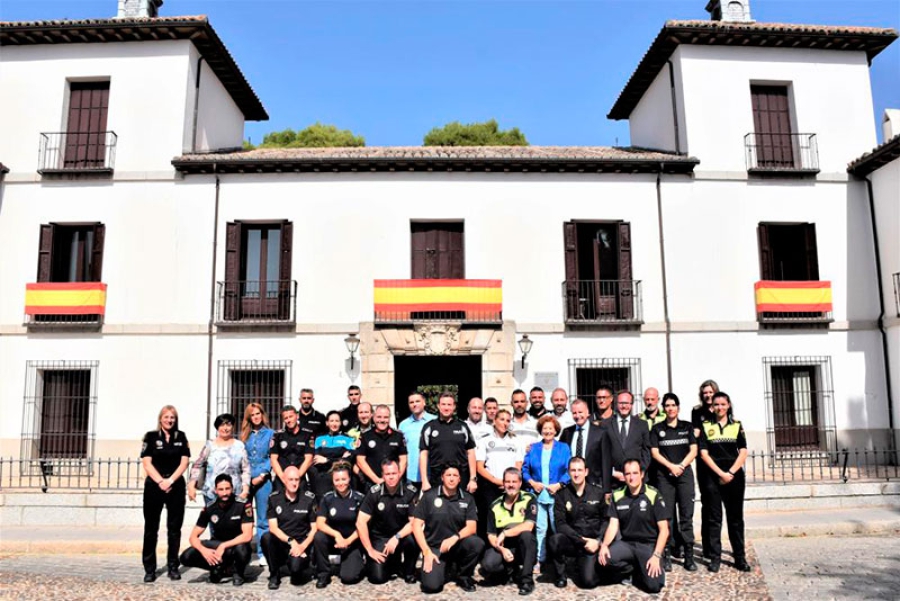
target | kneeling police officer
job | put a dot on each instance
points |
(510, 531)
(292, 525)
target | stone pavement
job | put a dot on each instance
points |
(839, 568)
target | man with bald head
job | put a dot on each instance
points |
(292, 525)
(652, 413)
(476, 421)
(559, 400)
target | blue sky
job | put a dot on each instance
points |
(391, 71)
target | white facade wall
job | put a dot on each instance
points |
(652, 122)
(219, 123)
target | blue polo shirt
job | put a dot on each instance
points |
(411, 429)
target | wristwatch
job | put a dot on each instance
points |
(657, 555)
(290, 540)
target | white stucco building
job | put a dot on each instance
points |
(164, 265)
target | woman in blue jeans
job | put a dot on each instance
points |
(257, 436)
(545, 469)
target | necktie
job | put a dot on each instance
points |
(579, 443)
(622, 433)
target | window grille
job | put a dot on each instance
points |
(799, 404)
(586, 375)
(265, 382)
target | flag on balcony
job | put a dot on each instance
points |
(399, 299)
(793, 297)
(65, 298)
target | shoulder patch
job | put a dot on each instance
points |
(618, 494)
(310, 494)
(375, 488)
(652, 494)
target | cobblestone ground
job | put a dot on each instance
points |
(102, 577)
(839, 568)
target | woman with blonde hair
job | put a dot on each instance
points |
(257, 436)
(164, 455)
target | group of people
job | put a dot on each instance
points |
(585, 488)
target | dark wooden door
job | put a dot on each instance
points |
(85, 144)
(438, 251)
(772, 127)
(795, 393)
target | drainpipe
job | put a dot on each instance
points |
(196, 105)
(674, 109)
(881, 328)
(212, 308)
(665, 285)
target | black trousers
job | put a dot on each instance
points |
(524, 546)
(560, 546)
(154, 501)
(238, 556)
(732, 497)
(631, 558)
(278, 555)
(402, 561)
(679, 491)
(486, 494)
(704, 478)
(351, 570)
(465, 554)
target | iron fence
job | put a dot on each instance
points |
(822, 466)
(602, 301)
(781, 152)
(256, 302)
(77, 151)
(71, 474)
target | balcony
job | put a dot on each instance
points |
(74, 305)
(462, 301)
(793, 303)
(782, 154)
(256, 303)
(602, 302)
(77, 153)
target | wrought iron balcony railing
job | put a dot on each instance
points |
(465, 301)
(256, 302)
(602, 301)
(781, 153)
(77, 152)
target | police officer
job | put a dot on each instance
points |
(292, 524)
(290, 446)
(674, 447)
(385, 526)
(493, 455)
(231, 530)
(639, 513)
(378, 444)
(336, 535)
(311, 421)
(700, 413)
(349, 419)
(511, 537)
(444, 528)
(579, 512)
(652, 413)
(723, 448)
(447, 441)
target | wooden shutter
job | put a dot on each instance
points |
(418, 251)
(45, 253)
(285, 286)
(232, 271)
(812, 253)
(570, 245)
(766, 267)
(96, 274)
(438, 251)
(626, 287)
(455, 252)
(772, 125)
(86, 128)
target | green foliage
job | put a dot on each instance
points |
(317, 135)
(433, 392)
(246, 145)
(475, 134)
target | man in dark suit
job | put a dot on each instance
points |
(590, 441)
(629, 438)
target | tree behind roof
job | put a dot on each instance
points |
(317, 135)
(474, 134)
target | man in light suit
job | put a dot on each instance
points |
(629, 438)
(594, 446)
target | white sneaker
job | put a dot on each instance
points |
(262, 562)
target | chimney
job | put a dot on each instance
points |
(733, 11)
(134, 9)
(890, 124)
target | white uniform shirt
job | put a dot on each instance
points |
(526, 431)
(499, 453)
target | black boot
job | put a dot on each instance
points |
(666, 561)
(689, 564)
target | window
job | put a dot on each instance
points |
(258, 283)
(598, 283)
(800, 403)
(60, 400)
(787, 252)
(438, 251)
(772, 127)
(588, 375)
(85, 144)
(265, 382)
(71, 252)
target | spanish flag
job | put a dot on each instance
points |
(793, 297)
(65, 298)
(479, 299)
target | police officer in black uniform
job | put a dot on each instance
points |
(444, 524)
(231, 530)
(290, 446)
(579, 513)
(385, 526)
(336, 535)
(639, 513)
(292, 525)
(311, 421)
(164, 456)
(349, 416)
(700, 413)
(447, 441)
(510, 532)
(378, 444)
(674, 447)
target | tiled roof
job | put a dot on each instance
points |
(877, 158)
(194, 28)
(440, 158)
(872, 40)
